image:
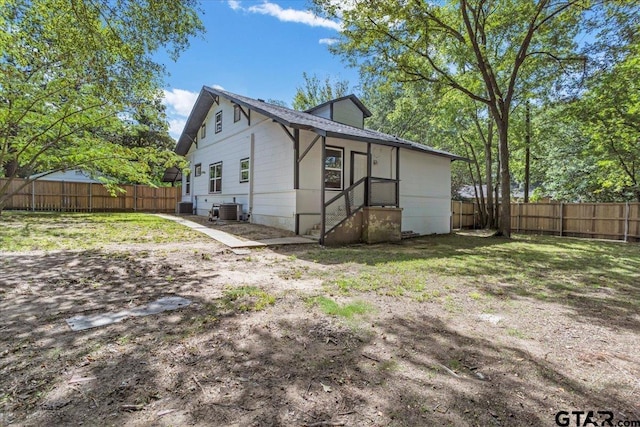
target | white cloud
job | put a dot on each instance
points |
(234, 4)
(288, 15)
(176, 126)
(328, 42)
(179, 101)
(217, 87)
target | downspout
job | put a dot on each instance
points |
(251, 160)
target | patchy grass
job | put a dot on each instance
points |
(347, 311)
(247, 298)
(22, 231)
(524, 266)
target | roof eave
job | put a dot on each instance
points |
(399, 144)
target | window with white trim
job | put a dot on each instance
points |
(244, 170)
(198, 169)
(333, 168)
(219, 121)
(187, 183)
(203, 131)
(215, 178)
(236, 113)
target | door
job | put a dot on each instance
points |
(358, 171)
(358, 166)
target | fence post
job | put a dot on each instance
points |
(561, 218)
(90, 197)
(460, 224)
(626, 221)
(135, 197)
(33, 196)
(518, 221)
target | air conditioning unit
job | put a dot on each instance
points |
(231, 211)
(184, 208)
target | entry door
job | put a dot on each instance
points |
(358, 171)
(358, 166)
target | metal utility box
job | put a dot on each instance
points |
(184, 208)
(231, 211)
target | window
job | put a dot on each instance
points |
(203, 131)
(333, 169)
(198, 169)
(236, 113)
(187, 184)
(244, 170)
(219, 122)
(215, 178)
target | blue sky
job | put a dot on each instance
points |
(254, 48)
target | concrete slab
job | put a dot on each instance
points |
(225, 238)
(296, 240)
(80, 323)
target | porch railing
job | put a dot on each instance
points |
(384, 192)
(364, 192)
(343, 205)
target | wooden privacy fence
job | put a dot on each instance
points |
(614, 221)
(90, 197)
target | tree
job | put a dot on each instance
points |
(488, 50)
(79, 87)
(443, 119)
(314, 92)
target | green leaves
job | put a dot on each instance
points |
(79, 88)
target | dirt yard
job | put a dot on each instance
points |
(257, 347)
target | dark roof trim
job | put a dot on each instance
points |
(293, 119)
(352, 97)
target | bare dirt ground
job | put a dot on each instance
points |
(220, 363)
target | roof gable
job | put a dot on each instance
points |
(352, 98)
(294, 119)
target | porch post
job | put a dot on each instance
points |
(322, 178)
(367, 200)
(296, 161)
(397, 177)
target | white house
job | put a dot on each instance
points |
(316, 169)
(71, 175)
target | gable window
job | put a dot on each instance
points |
(215, 178)
(333, 168)
(219, 121)
(198, 169)
(244, 170)
(187, 183)
(203, 131)
(236, 113)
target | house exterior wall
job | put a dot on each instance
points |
(74, 175)
(425, 195)
(324, 111)
(271, 166)
(347, 112)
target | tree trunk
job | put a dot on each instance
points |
(505, 178)
(489, 175)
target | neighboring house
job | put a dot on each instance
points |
(318, 169)
(71, 175)
(468, 192)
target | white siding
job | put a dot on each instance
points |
(74, 175)
(425, 192)
(273, 194)
(324, 111)
(347, 112)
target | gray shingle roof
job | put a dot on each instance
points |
(293, 119)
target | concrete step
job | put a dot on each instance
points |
(409, 234)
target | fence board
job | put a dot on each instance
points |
(41, 195)
(614, 221)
